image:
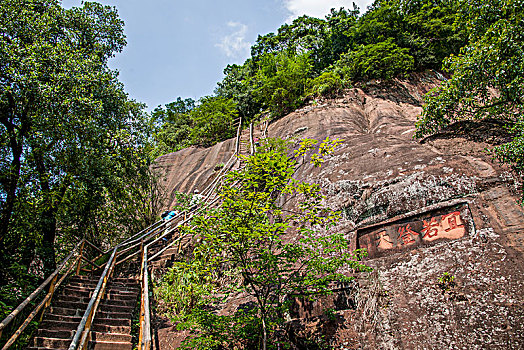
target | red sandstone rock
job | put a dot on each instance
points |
(379, 176)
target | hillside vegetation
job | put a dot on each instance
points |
(312, 58)
(480, 43)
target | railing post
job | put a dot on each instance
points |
(51, 291)
(142, 314)
(80, 253)
(251, 141)
(239, 131)
(141, 257)
(50, 294)
(142, 308)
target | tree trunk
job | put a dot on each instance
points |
(264, 333)
(48, 225)
(10, 184)
(9, 180)
(47, 222)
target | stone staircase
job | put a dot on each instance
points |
(245, 142)
(111, 328)
(169, 256)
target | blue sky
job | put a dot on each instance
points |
(180, 48)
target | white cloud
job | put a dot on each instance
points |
(235, 45)
(320, 8)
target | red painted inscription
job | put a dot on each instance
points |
(416, 232)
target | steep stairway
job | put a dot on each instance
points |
(111, 327)
(165, 260)
(169, 256)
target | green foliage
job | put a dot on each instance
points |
(237, 85)
(244, 246)
(487, 76)
(183, 289)
(425, 27)
(213, 121)
(281, 82)
(184, 123)
(446, 281)
(319, 57)
(328, 84)
(383, 60)
(173, 126)
(183, 201)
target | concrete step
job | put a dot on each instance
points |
(61, 326)
(100, 319)
(53, 343)
(101, 313)
(57, 333)
(111, 337)
(170, 251)
(117, 285)
(109, 345)
(117, 299)
(125, 298)
(114, 293)
(99, 325)
(65, 311)
(105, 305)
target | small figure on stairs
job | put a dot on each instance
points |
(169, 214)
(196, 198)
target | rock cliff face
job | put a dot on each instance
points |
(440, 221)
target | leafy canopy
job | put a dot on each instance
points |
(71, 141)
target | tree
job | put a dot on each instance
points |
(246, 245)
(237, 85)
(281, 82)
(71, 141)
(487, 79)
(425, 27)
(172, 126)
(382, 60)
(213, 120)
(341, 25)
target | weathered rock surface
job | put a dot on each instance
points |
(442, 206)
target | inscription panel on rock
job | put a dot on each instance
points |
(422, 229)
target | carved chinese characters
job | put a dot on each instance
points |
(450, 226)
(411, 232)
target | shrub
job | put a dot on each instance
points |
(328, 84)
(383, 60)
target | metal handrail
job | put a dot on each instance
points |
(82, 335)
(140, 232)
(239, 130)
(53, 285)
(144, 338)
(180, 224)
(251, 142)
(158, 225)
